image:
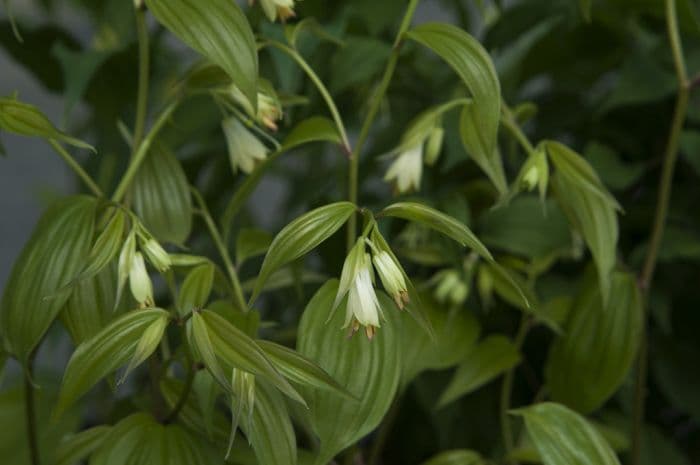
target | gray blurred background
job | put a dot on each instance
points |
(31, 173)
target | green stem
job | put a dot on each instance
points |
(509, 122)
(372, 114)
(221, 247)
(319, 85)
(75, 166)
(30, 412)
(189, 379)
(141, 153)
(507, 388)
(142, 95)
(663, 200)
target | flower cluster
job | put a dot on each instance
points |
(133, 267)
(357, 282)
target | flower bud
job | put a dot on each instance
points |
(434, 145)
(140, 282)
(451, 288)
(269, 111)
(282, 9)
(392, 278)
(531, 178)
(156, 255)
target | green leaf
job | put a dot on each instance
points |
(77, 447)
(219, 30)
(107, 245)
(111, 348)
(140, 440)
(489, 162)
(369, 370)
(54, 255)
(357, 62)
(456, 457)
(161, 196)
(491, 357)
(234, 349)
(300, 369)
(27, 120)
(90, 305)
(514, 289)
(614, 172)
(301, 236)
(271, 433)
(292, 32)
(586, 6)
(250, 243)
(195, 290)
(314, 129)
(589, 362)
(579, 171)
(595, 218)
(473, 65)
(456, 333)
(438, 221)
(563, 437)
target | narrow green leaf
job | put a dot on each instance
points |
(219, 30)
(474, 66)
(595, 218)
(27, 120)
(438, 221)
(314, 129)
(195, 290)
(563, 437)
(590, 361)
(493, 356)
(301, 236)
(107, 245)
(234, 349)
(489, 162)
(300, 369)
(56, 252)
(161, 196)
(456, 457)
(99, 356)
(77, 447)
(369, 370)
(586, 6)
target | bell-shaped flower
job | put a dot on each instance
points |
(244, 149)
(363, 307)
(282, 9)
(140, 282)
(391, 276)
(406, 170)
(156, 255)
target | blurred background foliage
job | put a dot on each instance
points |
(604, 85)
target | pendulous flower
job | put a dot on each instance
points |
(282, 9)
(391, 276)
(244, 149)
(407, 169)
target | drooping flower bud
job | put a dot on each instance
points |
(244, 149)
(406, 170)
(433, 146)
(140, 282)
(392, 278)
(156, 255)
(282, 9)
(269, 111)
(451, 288)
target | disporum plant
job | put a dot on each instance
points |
(333, 232)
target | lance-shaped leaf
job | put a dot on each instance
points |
(369, 370)
(77, 447)
(493, 356)
(270, 431)
(595, 218)
(489, 162)
(456, 457)
(107, 245)
(27, 120)
(314, 129)
(54, 255)
(563, 437)
(251, 242)
(130, 337)
(300, 369)
(589, 362)
(195, 289)
(231, 348)
(140, 440)
(474, 66)
(438, 221)
(161, 196)
(579, 171)
(219, 30)
(301, 236)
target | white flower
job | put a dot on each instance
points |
(156, 255)
(244, 149)
(392, 278)
(140, 282)
(451, 288)
(269, 111)
(406, 170)
(363, 307)
(282, 9)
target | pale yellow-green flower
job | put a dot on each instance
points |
(406, 170)
(244, 149)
